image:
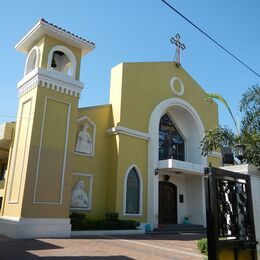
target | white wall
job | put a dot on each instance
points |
(191, 188)
(255, 185)
(195, 201)
(179, 181)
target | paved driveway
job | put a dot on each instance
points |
(167, 246)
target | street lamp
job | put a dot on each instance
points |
(239, 151)
(227, 155)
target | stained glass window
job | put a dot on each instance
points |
(133, 193)
(171, 143)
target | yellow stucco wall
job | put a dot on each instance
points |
(151, 82)
(132, 152)
(136, 89)
(97, 165)
(215, 161)
(58, 111)
(35, 181)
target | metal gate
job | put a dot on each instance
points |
(230, 219)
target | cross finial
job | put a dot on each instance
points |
(176, 40)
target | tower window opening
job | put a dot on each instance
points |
(32, 60)
(61, 62)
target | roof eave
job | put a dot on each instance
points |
(44, 28)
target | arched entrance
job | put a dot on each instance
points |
(167, 203)
(190, 182)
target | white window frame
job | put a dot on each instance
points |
(140, 192)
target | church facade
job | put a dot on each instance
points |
(139, 156)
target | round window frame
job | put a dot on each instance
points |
(178, 93)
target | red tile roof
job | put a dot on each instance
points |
(72, 34)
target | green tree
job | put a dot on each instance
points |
(249, 132)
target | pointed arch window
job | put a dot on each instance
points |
(133, 186)
(171, 142)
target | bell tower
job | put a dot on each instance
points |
(37, 198)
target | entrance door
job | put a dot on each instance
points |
(167, 202)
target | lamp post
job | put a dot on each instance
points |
(239, 151)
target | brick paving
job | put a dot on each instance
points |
(164, 246)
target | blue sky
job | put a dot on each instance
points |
(139, 31)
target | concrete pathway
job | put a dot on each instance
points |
(166, 246)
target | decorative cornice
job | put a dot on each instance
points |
(128, 131)
(53, 80)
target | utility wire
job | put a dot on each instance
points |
(203, 32)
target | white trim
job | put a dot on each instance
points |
(153, 158)
(37, 50)
(90, 190)
(16, 150)
(64, 157)
(187, 167)
(44, 28)
(20, 228)
(140, 214)
(70, 55)
(93, 137)
(128, 131)
(50, 79)
(178, 93)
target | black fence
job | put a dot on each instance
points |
(230, 218)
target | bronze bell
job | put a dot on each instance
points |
(53, 63)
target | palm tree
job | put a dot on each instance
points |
(249, 132)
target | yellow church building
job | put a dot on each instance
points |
(139, 155)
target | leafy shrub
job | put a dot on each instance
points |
(79, 216)
(203, 246)
(119, 224)
(79, 221)
(112, 216)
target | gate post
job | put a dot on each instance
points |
(211, 222)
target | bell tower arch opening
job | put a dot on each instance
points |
(61, 59)
(32, 60)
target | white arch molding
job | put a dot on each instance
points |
(32, 60)
(140, 191)
(153, 146)
(69, 54)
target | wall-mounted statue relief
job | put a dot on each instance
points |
(79, 197)
(84, 141)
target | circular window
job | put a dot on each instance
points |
(177, 86)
